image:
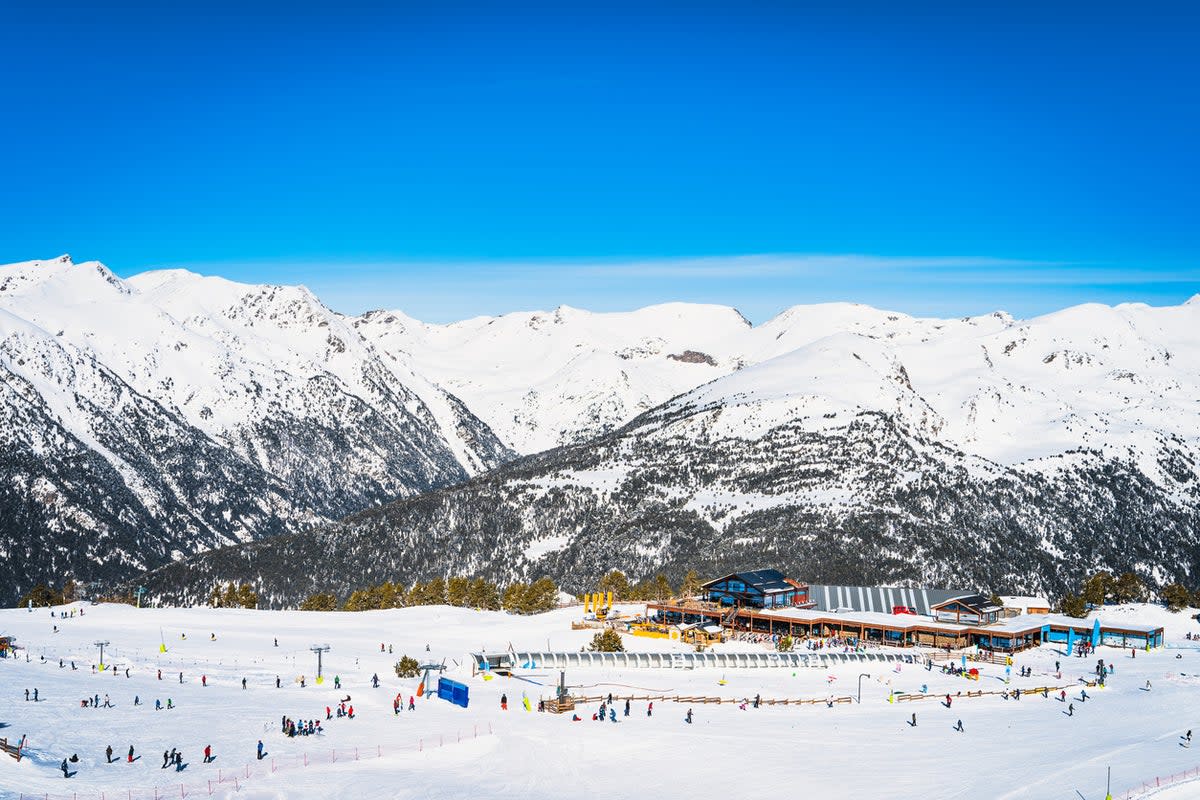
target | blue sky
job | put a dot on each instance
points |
(456, 159)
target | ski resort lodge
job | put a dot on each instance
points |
(765, 601)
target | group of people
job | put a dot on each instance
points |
(291, 729)
(398, 703)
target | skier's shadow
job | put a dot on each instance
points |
(210, 759)
(263, 755)
(181, 766)
(70, 774)
(137, 758)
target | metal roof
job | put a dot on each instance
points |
(880, 598)
(766, 580)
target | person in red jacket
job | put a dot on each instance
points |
(328, 713)
(204, 680)
(207, 753)
(350, 712)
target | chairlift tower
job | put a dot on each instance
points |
(319, 649)
(101, 645)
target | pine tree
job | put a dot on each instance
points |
(246, 596)
(1129, 588)
(1176, 596)
(541, 596)
(514, 597)
(691, 584)
(617, 583)
(1073, 606)
(607, 641)
(435, 592)
(320, 601)
(458, 590)
(1099, 588)
(662, 588)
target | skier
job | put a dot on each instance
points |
(412, 703)
(207, 753)
(166, 758)
(504, 702)
(1071, 710)
(276, 681)
(350, 712)
(328, 713)
(35, 693)
(757, 700)
(64, 769)
(1083, 696)
(260, 744)
(612, 714)
(949, 700)
(204, 680)
(130, 754)
(160, 674)
(26, 695)
(157, 704)
(243, 683)
(108, 754)
(277, 641)
(375, 681)
(914, 719)
(181, 677)
(396, 705)
(688, 718)
(337, 681)
(959, 726)
(627, 706)
(650, 709)
(35, 690)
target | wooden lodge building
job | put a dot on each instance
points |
(765, 601)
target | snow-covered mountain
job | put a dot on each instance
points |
(148, 418)
(1090, 376)
(152, 418)
(1006, 455)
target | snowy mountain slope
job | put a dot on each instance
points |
(542, 379)
(1008, 390)
(1008, 453)
(217, 412)
(825, 462)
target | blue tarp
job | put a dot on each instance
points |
(452, 691)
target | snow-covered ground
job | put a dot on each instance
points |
(1028, 748)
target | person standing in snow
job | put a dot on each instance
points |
(204, 680)
(337, 681)
(207, 753)
(504, 702)
(243, 684)
(914, 719)
(959, 726)
(108, 754)
(375, 681)
(412, 703)
(260, 744)
(277, 684)
(1071, 710)
(130, 754)
(627, 706)
(64, 769)
(650, 709)
(166, 758)
(688, 718)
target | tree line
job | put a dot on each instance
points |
(1128, 587)
(459, 590)
(657, 588)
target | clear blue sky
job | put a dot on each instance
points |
(454, 159)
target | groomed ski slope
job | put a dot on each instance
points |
(1009, 749)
